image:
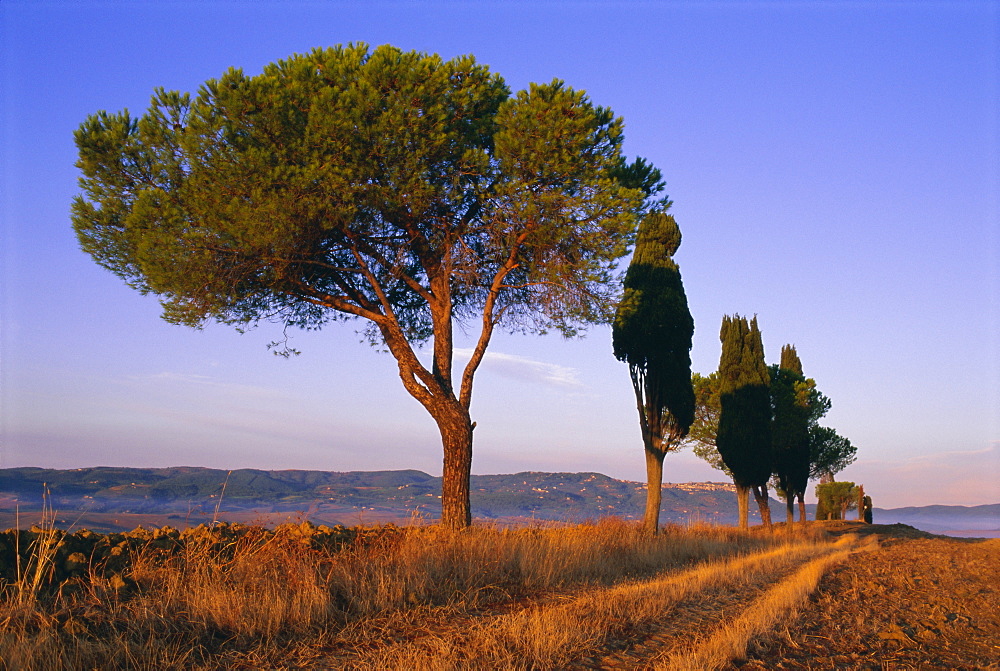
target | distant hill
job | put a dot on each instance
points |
(546, 496)
(949, 520)
(192, 494)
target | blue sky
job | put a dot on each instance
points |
(842, 156)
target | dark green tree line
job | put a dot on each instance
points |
(828, 452)
(652, 333)
(394, 187)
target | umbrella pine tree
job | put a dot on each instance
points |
(412, 193)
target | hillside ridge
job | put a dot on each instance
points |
(529, 494)
(193, 491)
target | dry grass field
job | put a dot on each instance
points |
(593, 596)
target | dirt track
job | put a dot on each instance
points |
(665, 622)
(913, 601)
(918, 602)
(902, 600)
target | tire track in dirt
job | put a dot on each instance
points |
(730, 640)
(630, 625)
(919, 602)
(705, 630)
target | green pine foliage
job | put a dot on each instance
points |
(744, 434)
(705, 428)
(254, 196)
(409, 192)
(829, 452)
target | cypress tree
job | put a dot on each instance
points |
(790, 396)
(790, 359)
(652, 332)
(744, 436)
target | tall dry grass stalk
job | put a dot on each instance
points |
(206, 606)
(257, 587)
(31, 575)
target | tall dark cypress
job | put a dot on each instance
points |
(790, 404)
(652, 332)
(744, 436)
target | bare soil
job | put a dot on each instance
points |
(917, 602)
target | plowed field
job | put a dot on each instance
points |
(880, 597)
(918, 602)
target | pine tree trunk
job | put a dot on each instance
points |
(654, 490)
(789, 510)
(743, 503)
(802, 509)
(456, 438)
(760, 494)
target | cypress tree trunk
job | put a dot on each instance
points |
(654, 490)
(760, 495)
(743, 504)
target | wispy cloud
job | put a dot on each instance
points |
(167, 379)
(180, 377)
(526, 369)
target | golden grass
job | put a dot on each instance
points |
(730, 641)
(392, 598)
(435, 566)
(30, 574)
(552, 634)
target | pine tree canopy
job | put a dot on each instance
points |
(705, 428)
(386, 185)
(829, 452)
(390, 186)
